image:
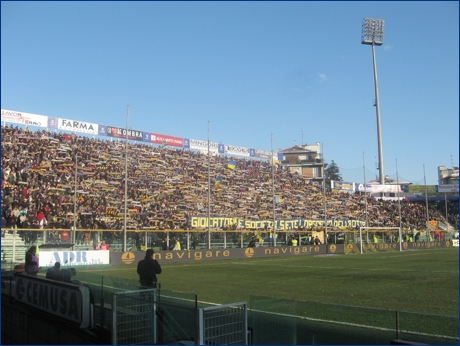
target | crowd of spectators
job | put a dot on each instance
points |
(165, 187)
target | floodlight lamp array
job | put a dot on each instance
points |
(373, 31)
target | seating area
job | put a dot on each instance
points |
(167, 186)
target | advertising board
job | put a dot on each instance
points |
(22, 118)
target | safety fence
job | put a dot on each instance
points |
(173, 316)
(147, 317)
(223, 325)
(282, 321)
(134, 316)
(134, 319)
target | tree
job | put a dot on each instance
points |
(331, 172)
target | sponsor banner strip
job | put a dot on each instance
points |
(120, 132)
(292, 224)
(235, 150)
(24, 118)
(77, 126)
(74, 258)
(448, 188)
(166, 140)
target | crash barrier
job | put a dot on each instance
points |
(67, 301)
(148, 317)
(171, 317)
(36, 310)
(223, 325)
(134, 318)
(23, 325)
(283, 321)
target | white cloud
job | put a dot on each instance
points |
(322, 77)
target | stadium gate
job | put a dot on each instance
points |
(140, 317)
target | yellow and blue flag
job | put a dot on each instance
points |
(218, 180)
(232, 164)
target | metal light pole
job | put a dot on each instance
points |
(126, 180)
(373, 35)
(209, 192)
(273, 196)
(74, 233)
(445, 203)
(426, 196)
(324, 200)
(399, 208)
(365, 192)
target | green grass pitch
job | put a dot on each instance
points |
(424, 281)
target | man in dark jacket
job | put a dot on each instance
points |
(148, 268)
(54, 273)
(252, 243)
(67, 274)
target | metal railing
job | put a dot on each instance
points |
(134, 318)
(223, 325)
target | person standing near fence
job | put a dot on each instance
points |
(148, 268)
(177, 245)
(31, 266)
(317, 241)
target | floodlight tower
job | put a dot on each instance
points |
(373, 35)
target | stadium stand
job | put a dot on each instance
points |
(165, 187)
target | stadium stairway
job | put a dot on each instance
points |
(7, 246)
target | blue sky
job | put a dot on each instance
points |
(296, 70)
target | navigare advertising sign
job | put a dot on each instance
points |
(24, 118)
(77, 126)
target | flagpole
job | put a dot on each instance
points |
(209, 193)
